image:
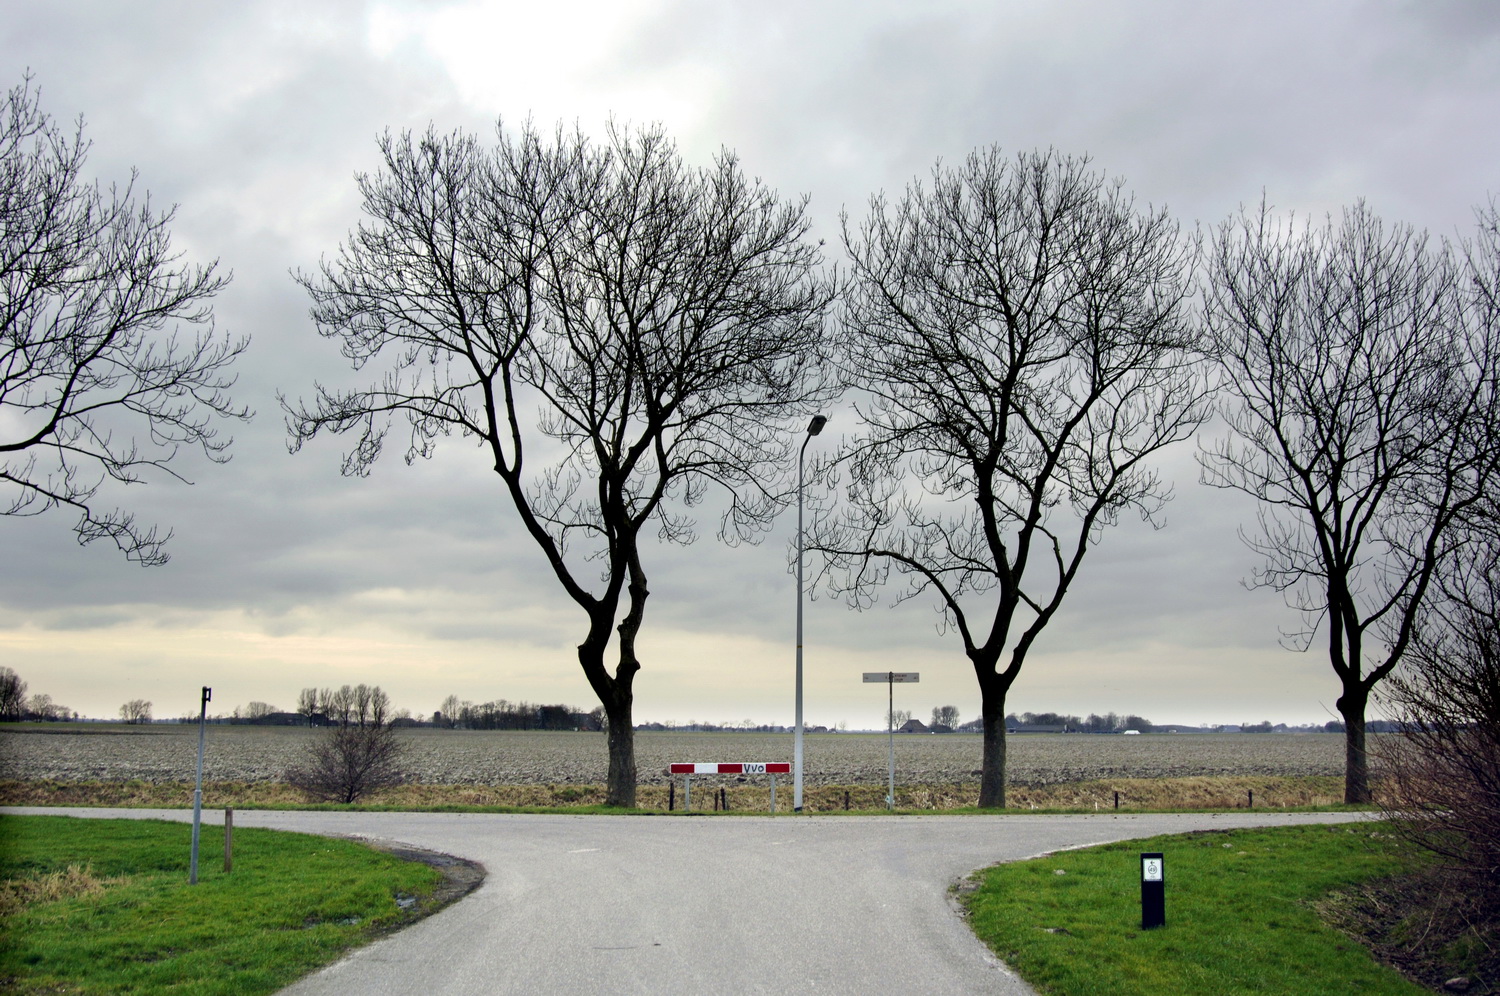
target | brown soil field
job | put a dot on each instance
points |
(252, 754)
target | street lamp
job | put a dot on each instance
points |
(813, 428)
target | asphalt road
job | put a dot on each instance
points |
(602, 904)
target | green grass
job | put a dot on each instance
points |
(1238, 909)
(292, 903)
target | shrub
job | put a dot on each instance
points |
(1442, 780)
(347, 762)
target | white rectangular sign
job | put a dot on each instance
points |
(899, 677)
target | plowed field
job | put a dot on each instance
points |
(167, 753)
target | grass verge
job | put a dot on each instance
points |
(103, 906)
(1213, 793)
(1240, 910)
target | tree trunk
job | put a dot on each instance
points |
(620, 788)
(1351, 705)
(617, 696)
(992, 768)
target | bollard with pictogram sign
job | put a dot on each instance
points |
(1153, 890)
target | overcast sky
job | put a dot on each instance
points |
(253, 117)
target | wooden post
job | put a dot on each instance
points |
(1117, 800)
(846, 800)
(228, 839)
(724, 799)
(1252, 798)
(671, 796)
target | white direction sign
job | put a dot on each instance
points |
(899, 677)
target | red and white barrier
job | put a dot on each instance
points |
(690, 768)
(735, 768)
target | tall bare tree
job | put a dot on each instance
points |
(1020, 335)
(1360, 393)
(97, 380)
(666, 321)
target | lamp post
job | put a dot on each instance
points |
(813, 428)
(208, 693)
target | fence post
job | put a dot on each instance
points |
(1117, 800)
(773, 795)
(671, 795)
(724, 798)
(846, 800)
(228, 839)
(1252, 798)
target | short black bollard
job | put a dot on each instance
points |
(1252, 798)
(1117, 800)
(846, 800)
(671, 796)
(1153, 891)
(724, 799)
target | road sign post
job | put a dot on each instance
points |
(891, 678)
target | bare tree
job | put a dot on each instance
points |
(41, 706)
(136, 711)
(307, 704)
(257, 711)
(1360, 377)
(338, 704)
(12, 695)
(96, 379)
(945, 716)
(1020, 333)
(449, 710)
(666, 321)
(345, 763)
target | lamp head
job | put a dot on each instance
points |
(816, 425)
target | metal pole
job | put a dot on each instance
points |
(813, 428)
(198, 786)
(890, 732)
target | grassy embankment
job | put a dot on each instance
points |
(1241, 912)
(104, 906)
(1135, 794)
